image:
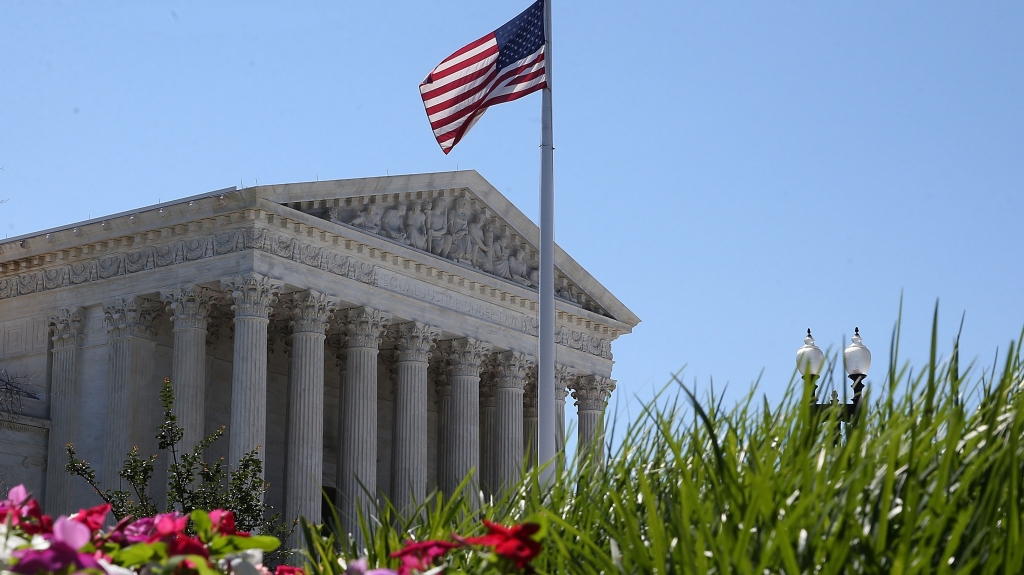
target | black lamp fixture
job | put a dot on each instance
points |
(857, 360)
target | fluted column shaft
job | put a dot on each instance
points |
(128, 321)
(252, 296)
(511, 369)
(487, 405)
(530, 423)
(310, 311)
(409, 443)
(358, 479)
(190, 312)
(462, 452)
(591, 394)
(66, 327)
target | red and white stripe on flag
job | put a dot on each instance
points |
(461, 88)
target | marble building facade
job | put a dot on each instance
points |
(377, 332)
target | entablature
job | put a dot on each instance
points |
(269, 228)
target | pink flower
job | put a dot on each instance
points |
(22, 511)
(17, 497)
(420, 556)
(289, 570)
(169, 524)
(68, 537)
(140, 530)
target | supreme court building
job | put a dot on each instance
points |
(376, 332)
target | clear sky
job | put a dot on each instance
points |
(734, 172)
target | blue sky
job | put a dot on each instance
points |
(733, 171)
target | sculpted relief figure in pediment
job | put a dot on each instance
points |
(450, 228)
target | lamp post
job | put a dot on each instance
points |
(857, 360)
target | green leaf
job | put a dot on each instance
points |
(202, 524)
(140, 553)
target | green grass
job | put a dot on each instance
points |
(929, 480)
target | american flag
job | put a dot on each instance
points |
(504, 65)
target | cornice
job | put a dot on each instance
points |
(263, 228)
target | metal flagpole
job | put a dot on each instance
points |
(546, 355)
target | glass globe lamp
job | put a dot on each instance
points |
(809, 358)
(856, 357)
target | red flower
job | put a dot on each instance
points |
(224, 522)
(93, 517)
(513, 543)
(32, 520)
(289, 570)
(420, 556)
(180, 544)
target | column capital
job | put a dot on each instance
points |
(365, 326)
(66, 327)
(512, 369)
(467, 356)
(592, 392)
(414, 340)
(190, 305)
(130, 317)
(564, 377)
(252, 295)
(310, 311)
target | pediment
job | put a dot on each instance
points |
(457, 216)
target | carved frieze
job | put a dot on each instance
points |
(323, 258)
(583, 341)
(150, 257)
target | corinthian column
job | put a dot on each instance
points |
(358, 479)
(564, 377)
(190, 312)
(462, 425)
(310, 311)
(591, 394)
(252, 297)
(487, 403)
(530, 400)
(129, 321)
(409, 443)
(66, 327)
(511, 370)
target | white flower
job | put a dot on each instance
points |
(114, 569)
(8, 543)
(246, 562)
